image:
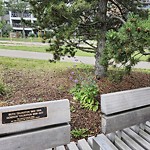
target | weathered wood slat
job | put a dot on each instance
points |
(144, 135)
(148, 123)
(51, 137)
(83, 145)
(147, 129)
(120, 144)
(137, 138)
(111, 136)
(117, 102)
(101, 141)
(130, 142)
(60, 148)
(90, 141)
(135, 128)
(57, 112)
(72, 146)
(124, 120)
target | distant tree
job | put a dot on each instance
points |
(7, 28)
(20, 7)
(81, 24)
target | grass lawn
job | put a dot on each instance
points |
(21, 39)
(142, 57)
(28, 64)
(39, 49)
(25, 48)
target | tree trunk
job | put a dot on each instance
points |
(102, 10)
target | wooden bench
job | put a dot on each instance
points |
(125, 124)
(125, 121)
(36, 126)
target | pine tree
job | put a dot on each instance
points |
(81, 24)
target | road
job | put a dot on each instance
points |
(47, 56)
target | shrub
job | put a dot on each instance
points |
(32, 35)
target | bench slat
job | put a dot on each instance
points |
(125, 100)
(83, 145)
(101, 141)
(60, 148)
(148, 123)
(39, 140)
(90, 141)
(137, 138)
(130, 142)
(144, 135)
(124, 120)
(72, 146)
(120, 144)
(147, 129)
(58, 112)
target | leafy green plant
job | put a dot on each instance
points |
(3, 90)
(79, 133)
(86, 93)
(85, 89)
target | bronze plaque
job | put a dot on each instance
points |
(24, 115)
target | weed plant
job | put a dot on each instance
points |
(2, 89)
(80, 133)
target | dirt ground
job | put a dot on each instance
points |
(30, 87)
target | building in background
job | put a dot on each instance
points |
(13, 19)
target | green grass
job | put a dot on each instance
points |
(40, 49)
(81, 53)
(29, 64)
(26, 48)
(141, 70)
(21, 39)
(142, 57)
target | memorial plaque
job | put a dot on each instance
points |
(24, 115)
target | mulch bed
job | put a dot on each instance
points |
(29, 87)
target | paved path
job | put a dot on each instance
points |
(47, 56)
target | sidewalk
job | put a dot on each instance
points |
(47, 56)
